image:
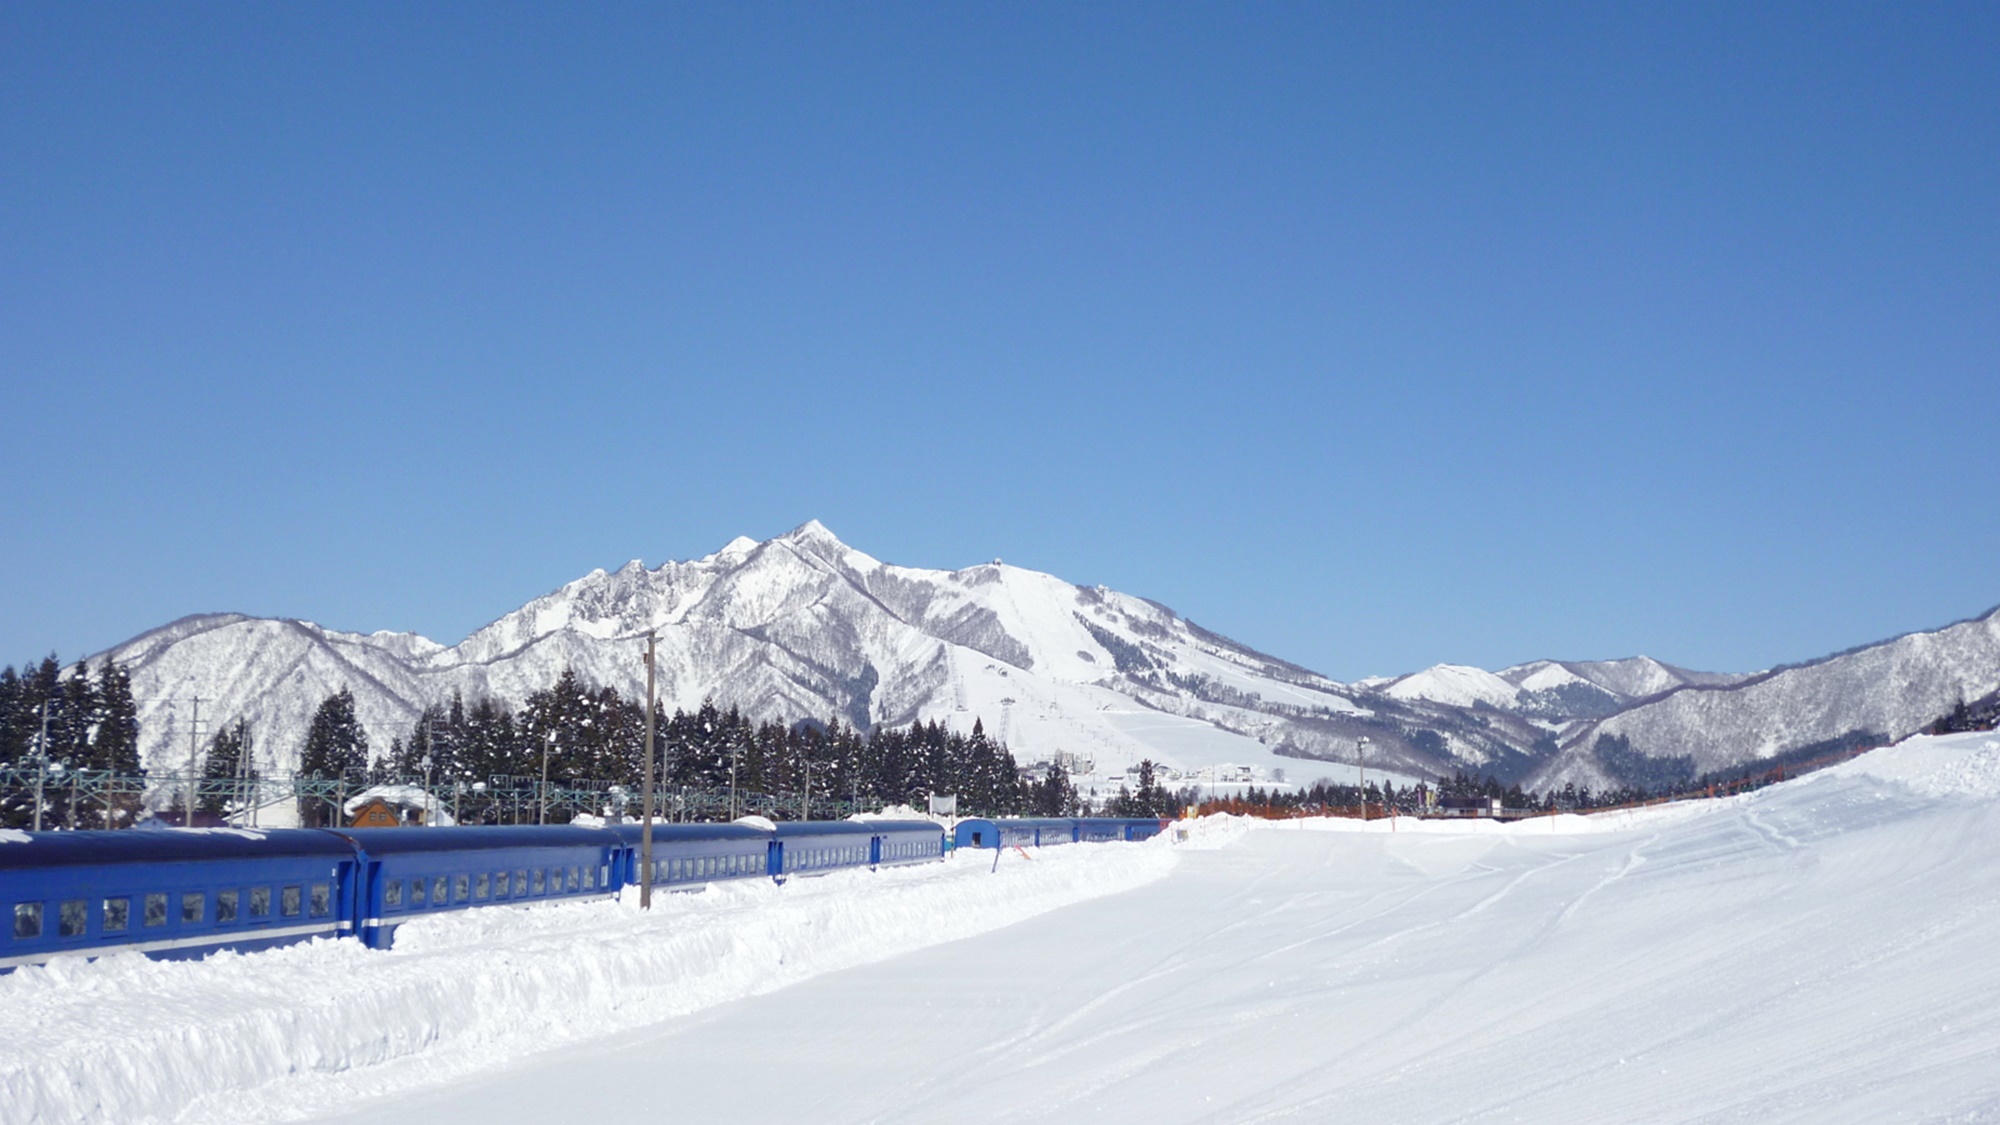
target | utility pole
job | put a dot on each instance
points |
(430, 772)
(243, 775)
(646, 827)
(805, 797)
(735, 752)
(194, 750)
(42, 768)
(1361, 771)
(542, 817)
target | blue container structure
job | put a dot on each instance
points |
(170, 894)
(179, 893)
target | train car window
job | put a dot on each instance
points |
(225, 906)
(538, 881)
(260, 902)
(321, 903)
(461, 888)
(156, 909)
(520, 883)
(392, 894)
(499, 884)
(27, 920)
(290, 899)
(193, 905)
(72, 918)
(604, 875)
(117, 914)
(419, 887)
(573, 880)
(480, 884)
(437, 890)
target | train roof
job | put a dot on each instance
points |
(630, 831)
(57, 849)
(903, 825)
(481, 837)
(852, 827)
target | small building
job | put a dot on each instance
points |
(393, 806)
(377, 813)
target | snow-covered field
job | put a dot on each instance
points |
(1822, 950)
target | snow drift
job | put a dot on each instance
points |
(294, 1031)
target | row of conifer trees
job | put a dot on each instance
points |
(57, 723)
(87, 719)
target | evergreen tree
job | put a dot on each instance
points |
(115, 744)
(336, 746)
(1054, 795)
(229, 770)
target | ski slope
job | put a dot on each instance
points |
(1819, 951)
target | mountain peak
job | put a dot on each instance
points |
(812, 531)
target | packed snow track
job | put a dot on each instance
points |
(1818, 951)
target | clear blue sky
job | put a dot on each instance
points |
(1373, 336)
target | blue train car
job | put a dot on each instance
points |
(1042, 832)
(170, 894)
(1012, 832)
(1140, 827)
(814, 847)
(906, 841)
(408, 872)
(690, 855)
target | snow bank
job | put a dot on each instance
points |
(1948, 765)
(296, 1031)
(1559, 824)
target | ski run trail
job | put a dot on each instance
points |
(1827, 949)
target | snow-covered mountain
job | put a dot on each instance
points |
(801, 626)
(804, 627)
(1873, 694)
(1550, 690)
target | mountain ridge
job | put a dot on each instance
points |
(804, 626)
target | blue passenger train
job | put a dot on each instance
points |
(180, 893)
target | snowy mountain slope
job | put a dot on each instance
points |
(1460, 685)
(1880, 692)
(1634, 677)
(1547, 691)
(802, 626)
